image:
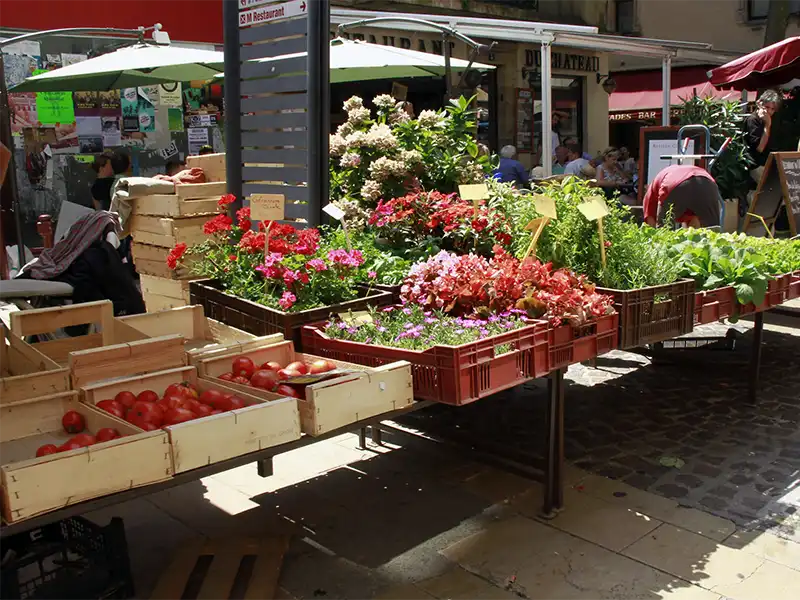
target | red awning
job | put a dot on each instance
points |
(642, 91)
(769, 67)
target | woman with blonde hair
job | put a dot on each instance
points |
(610, 176)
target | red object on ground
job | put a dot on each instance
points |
(769, 67)
(642, 91)
(666, 181)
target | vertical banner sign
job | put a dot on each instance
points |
(274, 114)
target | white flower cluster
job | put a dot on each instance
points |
(356, 216)
(371, 190)
(354, 102)
(430, 119)
(385, 102)
(383, 168)
(398, 117)
(358, 116)
(381, 137)
(411, 158)
(355, 140)
(344, 130)
(350, 160)
(337, 145)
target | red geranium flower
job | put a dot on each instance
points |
(175, 255)
(217, 224)
(226, 200)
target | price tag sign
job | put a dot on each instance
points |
(267, 207)
(594, 209)
(356, 318)
(474, 192)
(333, 211)
(545, 206)
(533, 224)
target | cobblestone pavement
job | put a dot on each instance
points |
(685, 431)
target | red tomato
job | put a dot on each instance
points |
(84, 439)
(184, 389)
(321, 366)
(67, 446)
(210, 396)
(241, 379)
(216, 412)
(226, 376)
(243, 366)
(272, 366)
(148, 427)
(288, 374)
(73, 422)
(298, 366)
(265, 379)
(113, 407)
(172, 401)
(106, 434)
(178, 415)
(146, 412)
(126, 399)
(202, 410)
(147, 396)
(287, 390)
(235, 402)
(46, 449)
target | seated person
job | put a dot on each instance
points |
(574, 140)
(612, 178)
(689, 191)
(510, 169)
(577, 163)
(560, 161)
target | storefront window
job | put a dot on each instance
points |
(567, 111)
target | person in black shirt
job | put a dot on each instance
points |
(101, 188)
(757, 130)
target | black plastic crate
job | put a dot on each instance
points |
(73, 558)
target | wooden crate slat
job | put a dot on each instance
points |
(191, 191)
(213, 165)
(165, 287)
(27, 373)
(172, 205)
(165, 231)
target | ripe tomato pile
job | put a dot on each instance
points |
(180, 402)
(273, 376)
(73, 422)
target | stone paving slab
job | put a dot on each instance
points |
(629, 419)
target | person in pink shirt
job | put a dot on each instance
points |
(689, 191)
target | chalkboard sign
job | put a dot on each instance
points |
(778, 189)
(649, 143)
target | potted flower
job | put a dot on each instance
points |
(275, 289)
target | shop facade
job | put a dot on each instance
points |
(510, 97)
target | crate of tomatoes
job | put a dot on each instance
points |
(193, 411)
(331, 394)
(56, 451)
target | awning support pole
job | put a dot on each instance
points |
(666, 84)
(547, 111)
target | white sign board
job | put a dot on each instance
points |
(657, 149)
(273, 12)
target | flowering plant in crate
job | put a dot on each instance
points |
(468, 284)
(420, 223)
(390, 154)
(413, 327)
(293, 274)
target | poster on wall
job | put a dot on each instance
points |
(23, 112)
(55, 107)
(66, 138)
(110, 105)
(198, 137)
(18, 67)
(70, 59)
(129, 102)
(90, 134)
(170, 95)
(38, 153)
(148, 98)
(175, 119)
(523, 128)
(112, 136)
(87, 104)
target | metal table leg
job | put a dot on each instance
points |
(554, 461)
(377, 434)
(265, 468)
(755, 358)
(362, 438)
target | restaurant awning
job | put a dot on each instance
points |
(768, 67)
(642, 90)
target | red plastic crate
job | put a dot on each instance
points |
(794, 286)
(778, 292)
(655, 313)
(714, 305)
(450, 374)
(570, 345)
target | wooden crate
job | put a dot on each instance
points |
(32, 486)
(331, 404)
(118, 350)
(166, 232)
(196, 191)
(168, 288)
(172, 205)
(204, 337)
(152, 260)
(268, 420)
(224, 568)
(213, 165)
(25, 372)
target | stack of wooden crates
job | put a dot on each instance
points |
(159, 222)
